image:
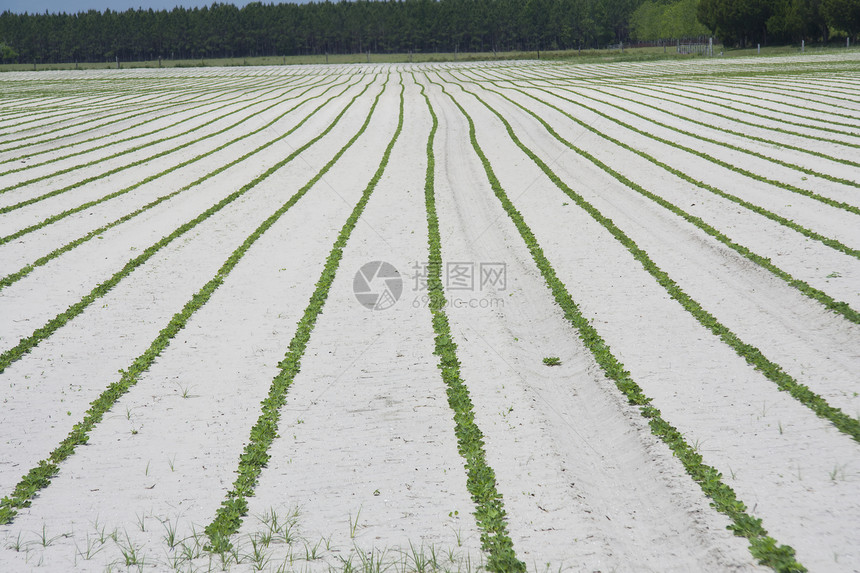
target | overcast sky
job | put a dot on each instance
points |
(69, 6)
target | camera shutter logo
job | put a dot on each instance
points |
(377, 285)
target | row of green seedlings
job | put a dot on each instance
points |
(191, 112)
(630, 93)
(246, 105)
(824, 82)
(72, 109)
(651, 120)
(818, 91)
(69, 108)
(742, 135)
(22, 104)
(813, 85)
(106, 174)
(50, 137)
(721, 193)
(710, 158)
(42, 116)
(724, 164)
(275, 544)
(118, 117)
(839, 307)
(205, 92)
(40, 476)
(199, 93)
(779, 118)
(480, 478)
(808, 91)
(748, 352)
(154, 113)
(41, 261)
(111, 92)
(817, 94)
(762, 546)
(727, 93)
(229, 516)
(37, 477)
(757, 124)
(670, 78)
(278, 100)
(737, 69)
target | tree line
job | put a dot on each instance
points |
(420, 26)
(780, 21)
(223, 30)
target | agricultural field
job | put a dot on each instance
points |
(519, 316)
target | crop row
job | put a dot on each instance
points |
(731, 94)
(59, 216)
(677, 101)
(480, 481)
(51, 135)
(166, 111)
(744, 150)
(750, 353)
(812, 96)
(687, 93)
(197, 93)
(68, 105)
(822, 89)
(772, 142)
(742, 135)
(131, 164)
(487, 94)
(639, 91)
(837, 306)
(726, 165)
(40, 476)
(781, 117)
(152, 114)
(762, 546)
(39, 119)
(480, 477)
(255, 455)
(26, 344)
(194, 113)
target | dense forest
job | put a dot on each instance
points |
(780, 21)
(223, 30)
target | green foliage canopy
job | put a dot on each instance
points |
(661, 20)
(779, 21)
(223, 30)
(843, 15)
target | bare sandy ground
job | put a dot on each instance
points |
(670, 353)
(366, 461)
(598, 473)
(158, 289)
